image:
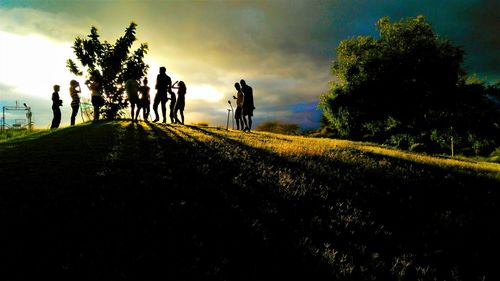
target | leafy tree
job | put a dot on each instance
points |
(401, 76)
(110, 65)
(407, 83)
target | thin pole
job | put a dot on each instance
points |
(3, 119)
(227, 124)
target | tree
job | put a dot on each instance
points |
(110, 66)
(406, 86)
(399, 82)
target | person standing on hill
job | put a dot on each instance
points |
(248, 105)
(56, 103)
(181, 102)
(96, 97)
(144, 101)
(239, 106)
(74, 90)
(173, 101)
(163, 84)
(132, 89)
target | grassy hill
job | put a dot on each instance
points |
(125, 201)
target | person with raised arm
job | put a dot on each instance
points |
(96, 97)
(181, 102)
(74, 90)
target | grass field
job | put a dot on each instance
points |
(126, 201)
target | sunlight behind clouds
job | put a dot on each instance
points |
(204, 92)
(32, 64)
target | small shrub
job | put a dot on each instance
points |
(495, 155)
(279, 127)
(403, 141)
(418, 147)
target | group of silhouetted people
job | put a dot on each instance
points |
(74, 92)
(244, 106)
(163, 88)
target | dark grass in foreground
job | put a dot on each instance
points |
(138, 201)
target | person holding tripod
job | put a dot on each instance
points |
(239, 106)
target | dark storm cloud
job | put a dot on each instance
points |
(283, 49)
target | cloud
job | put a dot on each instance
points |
(283, 49)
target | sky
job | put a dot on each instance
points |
(282, 48)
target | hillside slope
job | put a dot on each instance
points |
(118, 200)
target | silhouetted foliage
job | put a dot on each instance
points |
(408, 87)
(279, 127)
(110, 65)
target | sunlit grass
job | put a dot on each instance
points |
(10, 134)
(343, 210)
(299, 145)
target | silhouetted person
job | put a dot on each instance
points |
(239, 106)
(145, 101)
(163, 84)
(181, 102)
(132, 89)
(56, 103)
(97, 99)
(173, 100)
(248, 105)
(74, 90)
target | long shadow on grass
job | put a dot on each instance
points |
(444, 221)
(227, 233)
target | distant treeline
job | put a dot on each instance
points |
(408, 88)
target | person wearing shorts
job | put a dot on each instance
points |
(132, 89)
(144, 101)
(239, 106)
(96, 97)
(248, 105)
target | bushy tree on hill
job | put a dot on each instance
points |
(408, 86)
(110, 65)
